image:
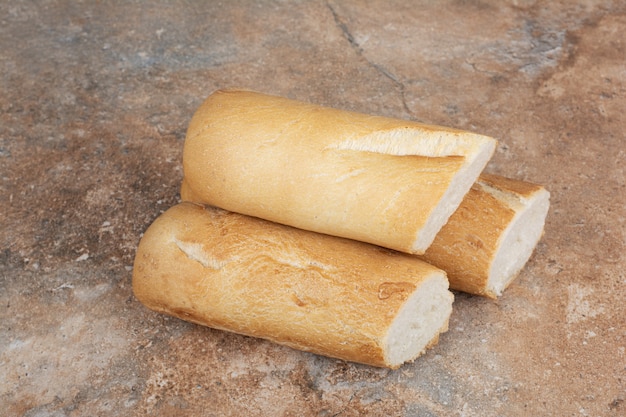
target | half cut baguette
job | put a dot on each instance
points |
(309, 291)
(491, 236)
(390, 182)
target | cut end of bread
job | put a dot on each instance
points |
(419, 322)
(432, 142)
(475, 162)
(519, 239)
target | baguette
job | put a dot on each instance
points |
(389, 182)
(491, 236)
(313, 292)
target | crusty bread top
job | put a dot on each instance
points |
(522, 189)
(385, 181)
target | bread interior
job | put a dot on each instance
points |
(519, 239)
(424, 315)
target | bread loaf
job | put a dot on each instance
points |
(309, 291)
(491, 236)
(385, 181)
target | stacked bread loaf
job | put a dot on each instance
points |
(331, 231)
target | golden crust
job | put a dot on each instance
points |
(313, 292)
(522, 189)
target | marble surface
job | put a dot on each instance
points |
(95, 98)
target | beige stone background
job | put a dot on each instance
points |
(95, 98)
